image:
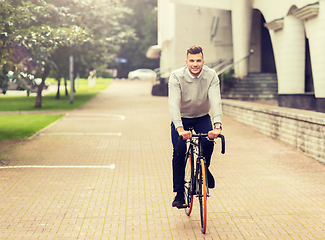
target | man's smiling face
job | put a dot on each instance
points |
(195, 63)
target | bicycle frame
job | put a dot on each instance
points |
(195, 147)
(196, 180)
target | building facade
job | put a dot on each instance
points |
(287, 36)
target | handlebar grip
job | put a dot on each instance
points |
(223, 144)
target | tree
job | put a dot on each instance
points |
(31, 32)
(144, 21)
(34, 34)
(104, 23)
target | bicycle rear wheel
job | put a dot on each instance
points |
(203, 196)
(188, 182)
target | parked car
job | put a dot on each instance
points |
(13, 84)
(142, 73)
(23, 84)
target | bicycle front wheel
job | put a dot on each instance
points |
(188, 183)
(203, 196)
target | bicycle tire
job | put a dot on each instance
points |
(203, 196)
(188, 182)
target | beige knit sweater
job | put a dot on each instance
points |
(191, 97)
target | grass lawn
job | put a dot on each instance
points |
(23, 103)
(24, 125)
(19, 126)
(83, 94)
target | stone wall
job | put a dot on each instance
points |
(301, 129)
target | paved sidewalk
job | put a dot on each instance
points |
(104, 172)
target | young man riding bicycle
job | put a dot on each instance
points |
(193, 91)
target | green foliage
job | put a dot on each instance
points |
(104, 23)
(82, 95)
(227, 76)
(48, 102)
(39, 35)
(18, 126)
(30, 32)
(144, 21)
(24, 125)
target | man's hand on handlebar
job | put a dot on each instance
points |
(183, 133)
(214, 133)
(188, 134)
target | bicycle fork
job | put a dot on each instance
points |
(196, 190)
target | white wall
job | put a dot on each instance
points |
(289, 50)
(255, 43)
(291, 78)
(315, 31)
(192, 26)
(220, 4)
(184, 23)
(166, 31)
(276, 9)
(195, 24)
(298, 128)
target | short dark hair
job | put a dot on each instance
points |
(195, 49)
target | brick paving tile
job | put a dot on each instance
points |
(104, 172)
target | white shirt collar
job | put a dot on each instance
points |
(189, 73)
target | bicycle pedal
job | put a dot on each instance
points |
(208, 195)
(183, 206)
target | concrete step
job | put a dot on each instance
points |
(259, 85)
(250, 96)
(254, 86)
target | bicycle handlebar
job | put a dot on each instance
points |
(223, 142)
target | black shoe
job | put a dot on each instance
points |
(211, 183)
(179, 200)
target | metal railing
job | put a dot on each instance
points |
(222, 65)
(228, 66)
(220, 68)
(213, 65)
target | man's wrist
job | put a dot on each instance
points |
(180, 129)
(218, 125)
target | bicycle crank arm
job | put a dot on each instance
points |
(208, 195)
(183, 206)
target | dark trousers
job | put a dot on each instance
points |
(200, 125)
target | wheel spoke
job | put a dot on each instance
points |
(189, 170)
(203, 196)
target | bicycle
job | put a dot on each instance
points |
(195, 181)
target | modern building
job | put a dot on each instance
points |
(287, 36)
